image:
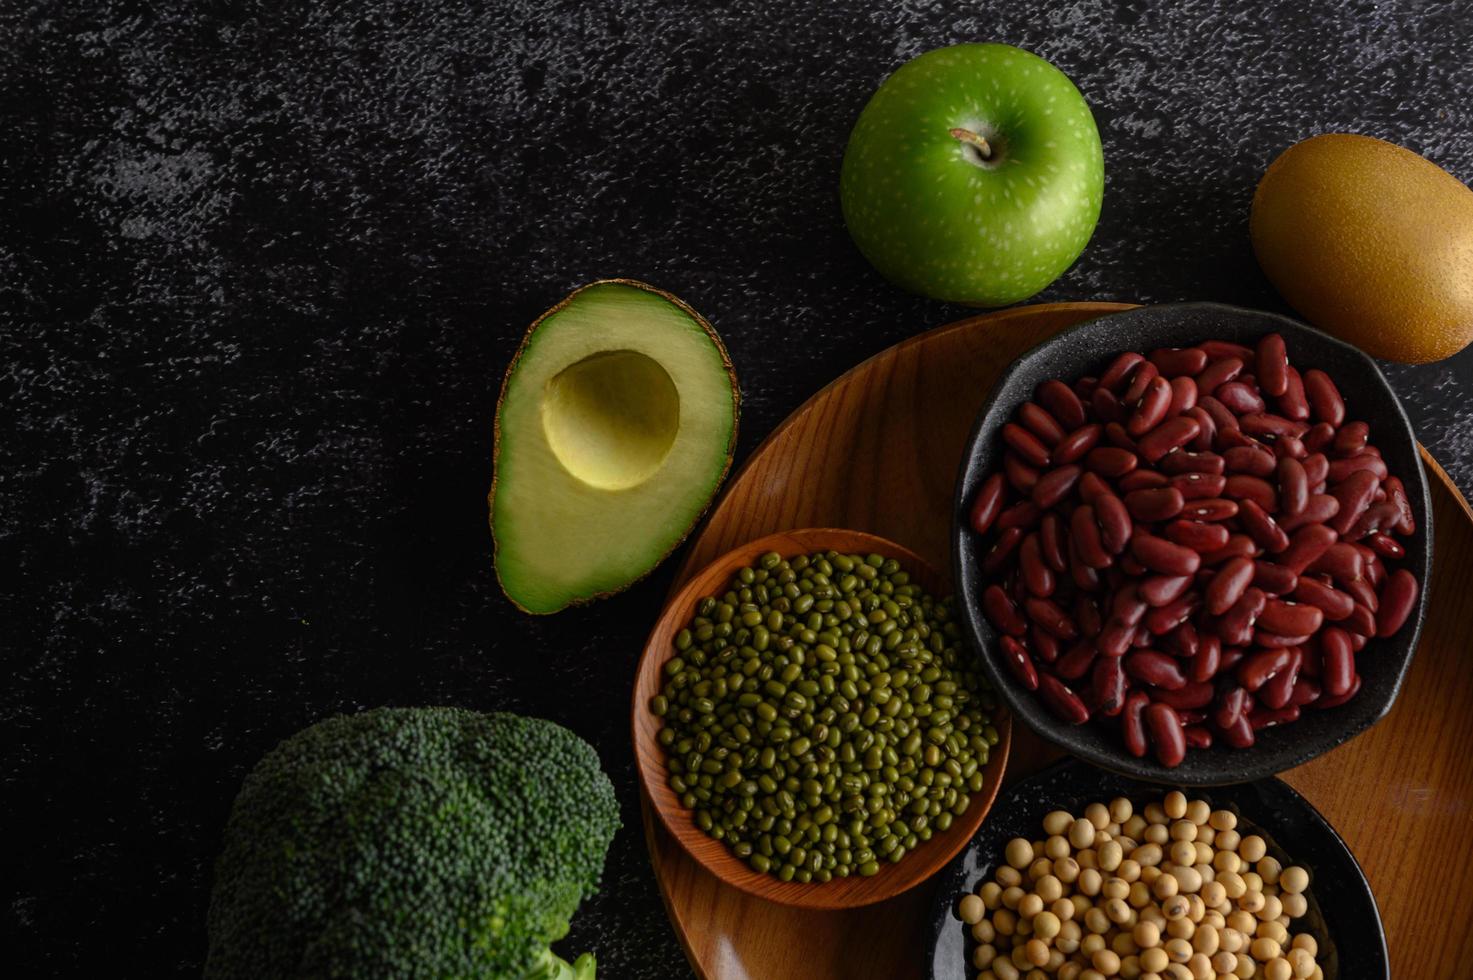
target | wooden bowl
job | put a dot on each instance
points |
(920, 864)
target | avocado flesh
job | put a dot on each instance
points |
(615, 428)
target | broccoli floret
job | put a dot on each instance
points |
(412, 842)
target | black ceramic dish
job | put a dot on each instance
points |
(1342, 915)
(1086, 349)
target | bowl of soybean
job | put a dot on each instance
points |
(965, 770)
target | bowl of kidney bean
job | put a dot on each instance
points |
(1192, 542)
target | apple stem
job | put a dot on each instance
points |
(974, 140)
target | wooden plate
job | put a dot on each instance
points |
(1400, 794)
(713, 855)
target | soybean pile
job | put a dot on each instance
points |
(822, 716)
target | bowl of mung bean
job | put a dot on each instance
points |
(810, 726)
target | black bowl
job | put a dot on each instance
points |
(1086, 349)
(1342, 915)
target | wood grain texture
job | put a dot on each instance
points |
(713, 855)
(877, 451)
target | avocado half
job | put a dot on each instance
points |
(615, 427)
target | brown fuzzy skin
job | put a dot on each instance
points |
(736, 412)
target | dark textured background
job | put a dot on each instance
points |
(262, 266)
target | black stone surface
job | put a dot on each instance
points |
(261, 267)
(1088, 349)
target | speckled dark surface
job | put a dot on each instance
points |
(261, 267)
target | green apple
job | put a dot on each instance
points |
(974, 175)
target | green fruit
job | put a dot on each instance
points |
(974, 175)
(615, 428)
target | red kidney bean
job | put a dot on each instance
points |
(1177, 361)
(1037, 576)
(1051, 542)
(1337, 661)
(1239, 734)
(1119, 370)
(1085, 387)
(1306, 691)
(1269, 717)
(1288, 618)
(1076, 663)
(1217, 373)
(1318, 437)
(1183, 461)
(1351, 439)
(1183, 396)
(1183, 641)
(1019, 664)
(1341, 561)
(1061, 700)
(1278, 690)
(1107, 686)
(1272, 363)
(1256, 669)
(1228, 585)
(1336, 605)
(1238, 546)
(987, 503)
(1077, 443)
(1355, 494)
(1159, 590)
(1253, 460)
(1397, 494)
(997, 556)
(1087, 615)
(1162, 556)
(1273, 578)
(1113, 520)
(1293, 404)
(1233, 438)
(1140, 380)
(1001, 612)
(1025, 444)
(1216, 349)
(1232, 704)
(1242, 487)
(1046, 647)
(1269, 424)
(1208, 659)
(1306, 545)
(1084, 535)
(1293, 486)
(1039, 422)
(1373, 570)
(1024, 514)
(1316, 470)
(1019, 474)
(1324, 398)
(1115, 639)
(1167, 736)
(1398, 596)
(1154, 505)
(1046, 613)
(1106, 406)
(1191, 696)
(1239, 398)
(1169, 435)
(1262, 528)
(1085, 578)
(1055, 485)
(1110, 461)
(1092, 486)
(1361, 621)
(1127, 606)
(1115, 435)
(1235, 627)
(1339, 469)
(1206, 429)
(1363, 592)
(1196, 535)
(1199, 486)
(1385, 546)
(1210, 509)
(1164, 619)
(1151, 410)
(1132, 726)
(1197, 737)
(1061, 402)
(1276, 641)
(1222, 417)
(1320, 508)
(1142, 480)
(1328, 700)
(1290, 447)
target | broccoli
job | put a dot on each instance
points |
(412, 842)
